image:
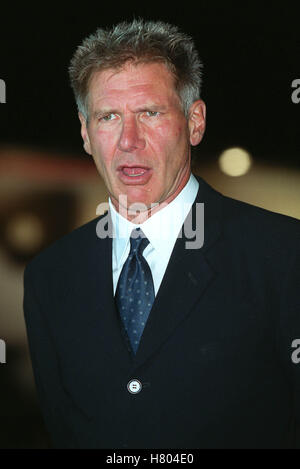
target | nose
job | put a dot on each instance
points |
(131, 137)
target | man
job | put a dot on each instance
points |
(140, 335)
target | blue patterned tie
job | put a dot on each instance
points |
(135, 289)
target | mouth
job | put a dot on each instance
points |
(133, 171)
(134, 174)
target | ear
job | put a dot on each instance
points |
(196, 122)
(84, 134)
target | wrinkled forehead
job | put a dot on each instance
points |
(135, 68)
(150, 80)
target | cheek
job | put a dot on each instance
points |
(171, 144)
(167, 137)
(175, 129)
(103, 148)
(179, 131)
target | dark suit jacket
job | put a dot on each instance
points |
(215, 356)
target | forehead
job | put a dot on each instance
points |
(151, 80)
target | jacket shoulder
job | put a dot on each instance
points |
(257, 217)
(259, 230)
(66, 248)
(233, 210)
(245, 223)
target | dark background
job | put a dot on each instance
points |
(250, 53)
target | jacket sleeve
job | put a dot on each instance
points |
(45, 366)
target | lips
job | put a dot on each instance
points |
(133, 171)
(134, 174)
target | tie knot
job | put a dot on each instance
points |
(138, 242)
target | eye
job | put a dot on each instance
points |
(152, 113)
(108, 117)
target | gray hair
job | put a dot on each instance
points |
(140, 42)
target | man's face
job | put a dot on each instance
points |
(138, 134)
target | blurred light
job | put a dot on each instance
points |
(235, 162)
(25, 232)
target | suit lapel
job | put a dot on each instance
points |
(188, 274)
(94, 315)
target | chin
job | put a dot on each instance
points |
(138, 195)
(143, 202)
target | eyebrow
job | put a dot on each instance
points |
(152, 107)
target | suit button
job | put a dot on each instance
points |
(134, 386)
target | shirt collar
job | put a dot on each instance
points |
(162, 228)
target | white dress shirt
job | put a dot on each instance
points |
(162, 230)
